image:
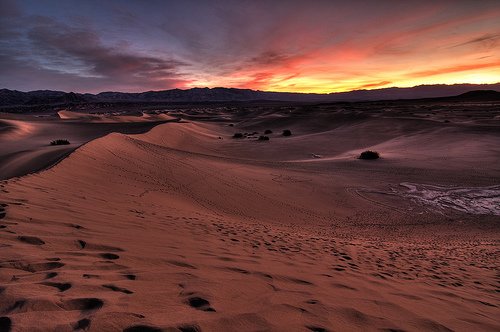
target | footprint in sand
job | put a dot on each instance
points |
(53, 259)
(31, 240)
(109, 256)
(81, 244)
(82, 324)
(83, 304)
(297, 281)
(200, 304)
(182, 264)
(189, 328)
(62, 286)
(76, 226)
(235, 269)
(5, 324)
(17, 305)
(33, 267)
(118, 289)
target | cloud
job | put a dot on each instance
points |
(488, 41)
(269, 58)
(71, 56)
(454, 69)
(68, 46)
(374, 85)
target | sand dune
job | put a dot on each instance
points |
(24, 140)
(72, 115)
(112, 118)
(15, 129)
(177, 229)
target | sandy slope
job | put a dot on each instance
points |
(24, 140)
(177, 229)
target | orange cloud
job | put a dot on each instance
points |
(453, 69)
(374, 85)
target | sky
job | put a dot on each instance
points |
(272, 45)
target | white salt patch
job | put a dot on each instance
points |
(474, 200)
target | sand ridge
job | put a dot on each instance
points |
(15, 129)
(24, 140)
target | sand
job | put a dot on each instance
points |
(25, 139)
(183, 228)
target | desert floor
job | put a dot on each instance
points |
(176, 226)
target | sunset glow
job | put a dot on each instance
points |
(298, 46)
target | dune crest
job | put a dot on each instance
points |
(15, 129)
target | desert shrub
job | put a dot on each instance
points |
(238, 135)
(60, 142)
(287, 132)
(263, 138)
(268, 131)
(369, 155)
(231, 125)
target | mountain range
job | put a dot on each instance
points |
(14, 98)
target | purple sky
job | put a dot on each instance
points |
(311, 45)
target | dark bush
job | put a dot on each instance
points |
(238, 135)
(268, 131)
(60, 142)
(263, 138)
(231, 125)
(287, 132)
(369, 155)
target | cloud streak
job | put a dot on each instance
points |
(57, 42)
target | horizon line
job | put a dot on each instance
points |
(269, 91)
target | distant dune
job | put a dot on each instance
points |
(24, 142)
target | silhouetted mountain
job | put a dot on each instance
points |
(46, 97)
(479, 95)
(12, 97)
(419, 92)
(55, 97)
(39, 97)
